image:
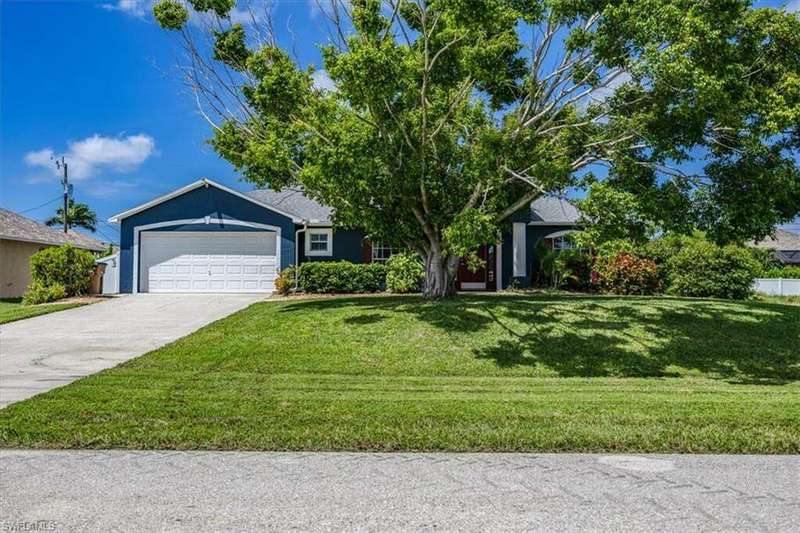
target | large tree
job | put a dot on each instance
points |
(448, 116)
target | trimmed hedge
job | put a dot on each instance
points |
(787, 272)
(341, 277)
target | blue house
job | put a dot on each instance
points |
(206, 237)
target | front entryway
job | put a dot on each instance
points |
(485, 278)
(208, 261)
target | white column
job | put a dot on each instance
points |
(498, 270)
(520, 229)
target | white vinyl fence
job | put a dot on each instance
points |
(778, 286)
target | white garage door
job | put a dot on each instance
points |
(208, 261)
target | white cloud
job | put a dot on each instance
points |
(88, 156)
(323, 81)
(602, 94)
(253, 11)
(110, 188)
(40, 158)
(793, 6)
(245, 12)
(135, 8)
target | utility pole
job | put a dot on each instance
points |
(65, 183)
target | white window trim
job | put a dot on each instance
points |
(374, 246)
(319, 231)
(205, 220)
(562, 243)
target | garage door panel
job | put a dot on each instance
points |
(208, 261)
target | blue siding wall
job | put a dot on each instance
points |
(532, 236)
(199, 203)
(347, 246)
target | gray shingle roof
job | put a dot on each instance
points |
(790, 257)
(293, 201)
(547, 209)
(783, 240)
(553, 210)
(16, 227)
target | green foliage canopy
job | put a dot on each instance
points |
(447, 114)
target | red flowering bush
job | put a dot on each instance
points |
(625, 273)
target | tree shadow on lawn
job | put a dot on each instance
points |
(594, 336)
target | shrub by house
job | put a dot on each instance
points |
(702, 268)
(341, 277)
(59, 272)
(404, 273)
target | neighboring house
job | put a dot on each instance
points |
(20, 238)
(206, 237)
(785, 246)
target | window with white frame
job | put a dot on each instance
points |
(563, 243)
(381, 252)
(319, 241)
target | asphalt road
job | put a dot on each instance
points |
(216, 491)
(42, 353)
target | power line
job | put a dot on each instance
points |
(111, 240)
(39, 206)
(106, 224)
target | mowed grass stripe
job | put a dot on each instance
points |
(247, 382)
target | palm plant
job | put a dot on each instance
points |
(78, 215)
(555, 264)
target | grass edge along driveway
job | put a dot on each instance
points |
(11, 309)
(480, 373)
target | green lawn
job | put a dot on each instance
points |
(795, 300)
(521, 372)
(11, 309)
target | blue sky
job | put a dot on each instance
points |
(97, 81)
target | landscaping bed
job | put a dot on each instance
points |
(484, 372)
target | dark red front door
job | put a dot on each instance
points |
(484, 278)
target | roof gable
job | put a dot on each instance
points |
(195, 185)
(551, 210)
(16, 227)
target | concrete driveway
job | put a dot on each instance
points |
(45, 352)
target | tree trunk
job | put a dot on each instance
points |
(440, 276)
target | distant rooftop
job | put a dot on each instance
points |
(783, 240)
(16, 227)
